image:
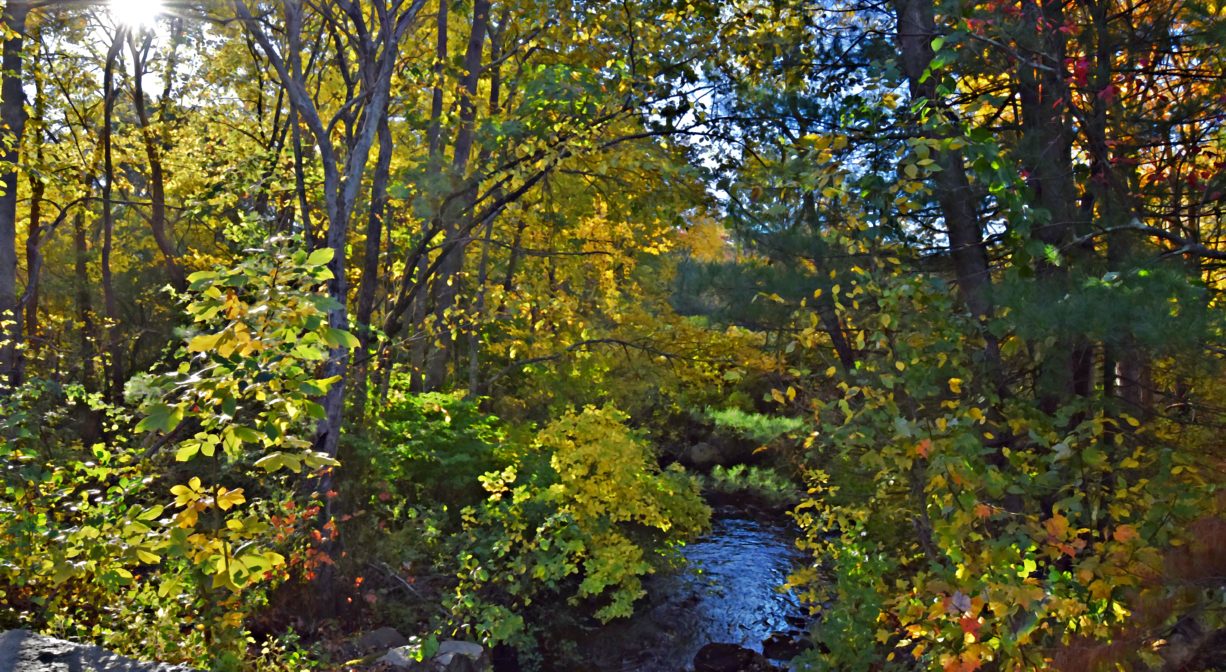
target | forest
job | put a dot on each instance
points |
(473, 324)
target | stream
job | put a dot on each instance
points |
(728, 594)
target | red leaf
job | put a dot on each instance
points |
(970, 624)
(1081, 72)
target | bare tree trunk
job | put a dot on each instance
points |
(84, 309)
(827, 311)
(420, 347)
(377, 53)
(153, 142)
(1046, 151)
(434, 132)
(447, 282)
(114, 362)
(916, 30)
(370, 266)
(474, 332)
(12, 128)
(38, 190)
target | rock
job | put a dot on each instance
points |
(796, 621)
(730, 658)
(704, 455)
(782, 646)
(402, 657)
(381, 640)
(24, 651)
(452, 655)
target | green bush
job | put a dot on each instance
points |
(585, 529)
(759, 484)
(755, 427)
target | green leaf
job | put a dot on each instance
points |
(320, 257)
(339, 338)
(199, 277)
(161, 417)
(278, 460)
(246, 434)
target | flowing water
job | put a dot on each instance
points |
(729, 594)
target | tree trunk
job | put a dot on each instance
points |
(114, 361)
(420, 347)
(1046, 153)
(153, 142)
(370, 266)
(457, 210)
(916, 30)
(12, 120)
(33, 265)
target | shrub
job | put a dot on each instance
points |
(759, 484)
(588, 527)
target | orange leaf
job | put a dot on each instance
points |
(1125, 533)
(923, 447)
(1057, 526)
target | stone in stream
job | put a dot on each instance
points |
(782, 646)
(24, 651)
(452, 656)
(730, 658)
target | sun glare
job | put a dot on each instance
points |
(136, 13)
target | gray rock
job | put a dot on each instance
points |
(782, 646)
(381, 640)
(704, 455)
(402, 657)
(24, 651)
(730, 658)
(452, 655)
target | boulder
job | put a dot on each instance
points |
(704, 455)
(730, 658)
(402, 657)
(783, 646)
(24, 651)
(452, 655)
(381, 640)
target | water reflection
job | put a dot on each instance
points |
(730, 595)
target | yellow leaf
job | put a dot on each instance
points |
(229, 498)
(204, 343)
(955, 385)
